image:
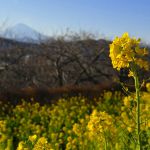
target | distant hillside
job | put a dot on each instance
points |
(56, 63)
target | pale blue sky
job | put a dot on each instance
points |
(108, 17)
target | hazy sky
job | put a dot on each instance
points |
(108, 17)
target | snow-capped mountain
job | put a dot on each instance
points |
(23, 33)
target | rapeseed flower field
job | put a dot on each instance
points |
(113, 121)
(76, 123)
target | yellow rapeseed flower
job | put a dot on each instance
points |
(20, 146)
(99, 124)
(42, 140)
(33, 138)
(125, 50)
(129, 129)
(127, 101)
(148, 87)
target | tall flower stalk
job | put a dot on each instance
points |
(125, 52)
(138, 111)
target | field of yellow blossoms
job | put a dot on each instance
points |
(75, 124)
(111, 122)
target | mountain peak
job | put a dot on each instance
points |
(22, 26)
(24, 33)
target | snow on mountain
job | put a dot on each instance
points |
(23, 33)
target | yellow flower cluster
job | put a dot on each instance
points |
(33, 138)
(42, 144)
(74, 123)
(81, 132)
(3, 131)
(148, 87)
(3, 126)
(127, 118)
(101, 127)
(36, 144)
(126, 51)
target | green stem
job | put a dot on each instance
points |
(138, 122)
(105, 143)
